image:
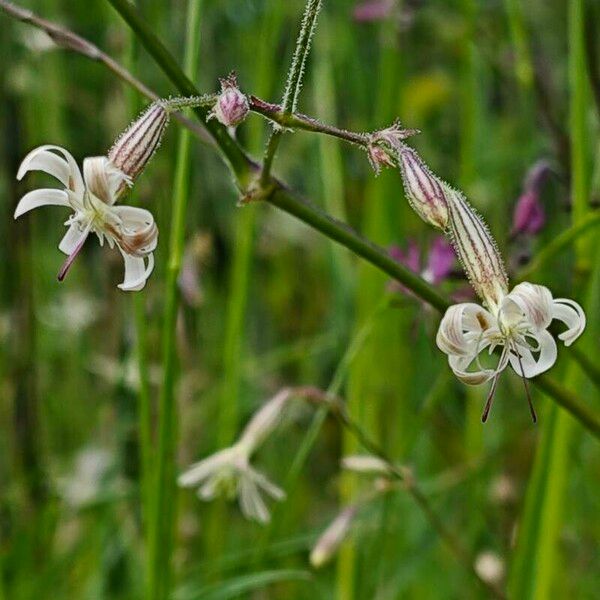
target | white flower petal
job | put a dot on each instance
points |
(251, 503)
(531, 366)
(74, 180)
(47, 162)
(103, 179)
(43, 197)
(268, 486)
(72, 239)
(136, 272)
(572, 315)
(534, 302)
(199, 471)
(460, 364)
(139, 234)
(461, 327)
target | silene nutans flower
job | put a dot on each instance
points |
(229, 473)
(515, 322)
(92, 196)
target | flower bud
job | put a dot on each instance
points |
(378, 158)
(136, 145)
(331, 539)
(424, 191)
(232, 105)
(366, 464)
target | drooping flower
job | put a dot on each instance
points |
(515, 322)
(228, 472)
(92, 196)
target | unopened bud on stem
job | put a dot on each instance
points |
(136, 145)
(232, 106)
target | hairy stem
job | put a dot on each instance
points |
(294, 81)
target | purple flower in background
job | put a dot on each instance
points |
(529, 216)
(440, 261)
(372, 10)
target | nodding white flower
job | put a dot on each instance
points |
(228, 472)
(92, 196)
(517, 321)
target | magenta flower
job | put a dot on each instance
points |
(529, 216)
(372, 10)
(440, 261)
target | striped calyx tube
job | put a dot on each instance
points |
(424, 191)
(137, 144)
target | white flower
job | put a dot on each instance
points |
(228, 472)
(519, 324)
(92, 199)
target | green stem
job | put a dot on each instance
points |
(163, 514)
(344, 235)
(294, 82)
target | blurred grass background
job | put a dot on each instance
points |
(494, 86)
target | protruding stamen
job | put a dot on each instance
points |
(71, 258)
(529, 402)
(490, 399)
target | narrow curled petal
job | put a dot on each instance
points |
(534, 301)
(43, 197)
(531, 366)
(461, 364)
(476, 249)
(572, 315)
(67, 173)
(103, 179)
(137, 234)
(462, 327)
(47, 162)
(136, 272)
